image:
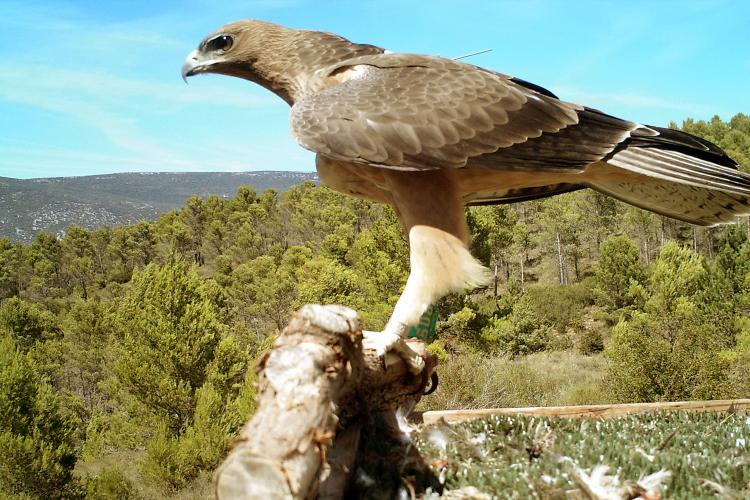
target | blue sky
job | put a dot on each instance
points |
(92, 87)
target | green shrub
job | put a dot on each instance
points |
(673, 350)
(173, 461)
(37, 431)
(242, 408)
(437, 348)
(110, 483)
(519, 333)
(657, 360)
(29, 323)
(739, 359)
(163, 465)
(618, 268)
(590, 341)
(463, 327)
(559, 306)
(106, 432)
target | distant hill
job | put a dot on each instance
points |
(51, 204)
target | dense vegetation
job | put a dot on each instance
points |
(126, 352)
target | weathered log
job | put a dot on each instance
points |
(314, 387)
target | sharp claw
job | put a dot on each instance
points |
(433, 384)
(380, 342)
(385, 342)
(414, 361)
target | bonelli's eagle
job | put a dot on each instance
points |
(429, 135)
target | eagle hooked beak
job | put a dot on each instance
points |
(209, 54)
(192, 65)
(197, 62)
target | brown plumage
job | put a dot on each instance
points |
(429, 135)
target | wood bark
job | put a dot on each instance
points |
(315, 388)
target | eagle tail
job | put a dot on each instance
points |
(674, 174)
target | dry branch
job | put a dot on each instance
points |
(314, 389)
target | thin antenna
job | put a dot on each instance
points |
(472, 54)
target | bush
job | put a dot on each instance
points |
(739, 358)
(673, 349)
(590, 341)
(106, 432)
(37, 432)
(437, 348)
(618, 268)
(521, 332)
(29, 323)
(464, 327)
(542, 318)
(559, 306)
(518, 335)
(659, 359)
(163, 464)
(173, 461)
(110, 483)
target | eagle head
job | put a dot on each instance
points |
(249, 49)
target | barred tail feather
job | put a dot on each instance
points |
(674, 174)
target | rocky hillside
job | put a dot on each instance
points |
(51, 204)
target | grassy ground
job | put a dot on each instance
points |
(527, 457)
(541, 379)
(706, 454)
(466, 381)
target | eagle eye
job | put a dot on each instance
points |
(220, 43)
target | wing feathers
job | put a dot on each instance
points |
(423, 112)
(678, 167)
(419, 112)
(594, 136)
(677, 175)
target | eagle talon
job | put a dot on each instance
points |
(380, 342)
(433, 384)
(385, 343)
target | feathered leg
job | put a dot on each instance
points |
(432, 214)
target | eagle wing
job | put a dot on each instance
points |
(419, 112)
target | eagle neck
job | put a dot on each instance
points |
(288, 64)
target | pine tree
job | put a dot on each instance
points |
(38, 433)
(178, 361)
(619, 269)
(672, 349)
(27, 322)
(171, 322)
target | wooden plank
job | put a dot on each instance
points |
(588, 411)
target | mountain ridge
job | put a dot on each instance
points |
(28, 206)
